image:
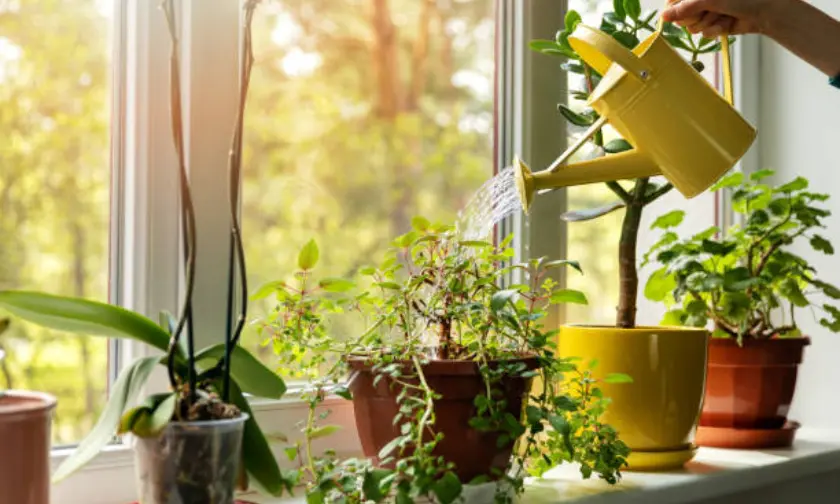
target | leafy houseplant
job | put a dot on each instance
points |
(440, 378)
(656, 439)
(196, 440)
(748, 286)
(626, 24)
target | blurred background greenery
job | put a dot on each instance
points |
(362, 114)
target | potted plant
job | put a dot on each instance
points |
(25, 429)
(194, 442)
(658, 423)
(441, 378)
(747, 285)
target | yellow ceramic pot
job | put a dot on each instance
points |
(657, 414)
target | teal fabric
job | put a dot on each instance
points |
(835, 81)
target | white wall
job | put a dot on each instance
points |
(799, 134)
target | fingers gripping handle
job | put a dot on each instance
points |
(726, 61)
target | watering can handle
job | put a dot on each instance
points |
(599, 51)
(724, 53)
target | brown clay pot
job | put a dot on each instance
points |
(474, 453)
(751, 387)
(25, 427)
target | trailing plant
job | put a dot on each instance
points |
(745, 281)
(626, 23)
(205, 384)
(436, 298)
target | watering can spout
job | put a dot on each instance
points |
(625, 165)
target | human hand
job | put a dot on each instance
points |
(714, 18)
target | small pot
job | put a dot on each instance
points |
(751, 387)
(190, 462)
(25, 433)
(474, 453)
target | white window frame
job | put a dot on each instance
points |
(145, 231)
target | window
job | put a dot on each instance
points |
(361, 116)
(54, 193)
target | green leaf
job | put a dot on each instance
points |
(308, 256)
(703, 281)
(717, 248)
(82, 316)
(739, 279)
(343, 392)
(336, 284)
(572, 20)
(420, 223)
(732, 180)
(388, 285)
(673, 318)
(447, 489)
(501, 298)
(549, 47)
(315, 497)
(618, 378)
(575, 118)
(735, 305)
(372, 484)
(669, 220)
(633, 8)
(591, 213)
(628, 40)
(798, 184)
(390, 447)
(617, 145)
(677, 41)
(618, 8)
(821, 244)
(324, 431)
(291, 452)
(829, 290)
(251, 374)
(569, 296)
(123, 393)
(267, 289)
(789, 288)
(162, 415)
(760, 175)
(533, 414)
(257, 456)
(563, 262)
(659, 285)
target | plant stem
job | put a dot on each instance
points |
(628, 274)
(187, 210)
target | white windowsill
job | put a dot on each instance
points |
(807, 473)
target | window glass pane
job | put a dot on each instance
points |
(362, 114)
(54, 192)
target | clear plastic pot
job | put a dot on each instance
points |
(190, 463)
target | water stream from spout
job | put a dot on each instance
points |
(495, 199)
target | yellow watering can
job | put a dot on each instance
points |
(678, 124)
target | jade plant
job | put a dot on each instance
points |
(626, 23)
(438, 299)
(204, 384)
(745, 281)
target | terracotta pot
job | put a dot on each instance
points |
(474, 453)
(25, 433)
(751, 387)
(656, 415)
